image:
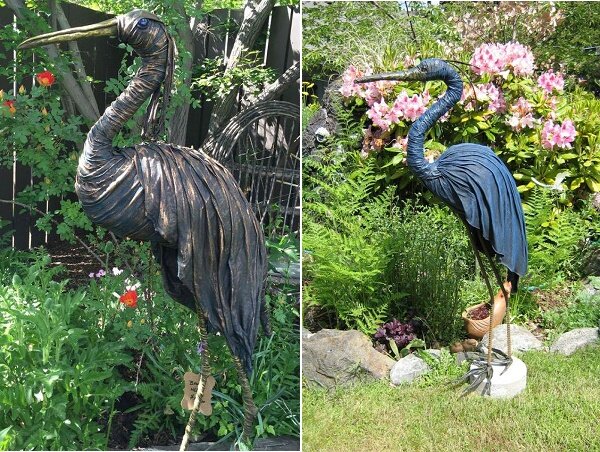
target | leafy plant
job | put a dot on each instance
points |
(555, 237)
(580, 312)
(344, 242)
(431, 258)
(395, 336)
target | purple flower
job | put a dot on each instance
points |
(201, 347)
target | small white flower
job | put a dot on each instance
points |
(39, 396)
(116, 271)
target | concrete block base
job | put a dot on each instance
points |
(509, 384)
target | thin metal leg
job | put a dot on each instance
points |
(250, 410)
(489, 288)
(506, 298)
(204, 374)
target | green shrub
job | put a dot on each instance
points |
(431, 258)
(345, 245)
(71, 355)
(556, 237)
(580, 312)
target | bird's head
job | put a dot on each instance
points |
(144, 31)
(427, 69)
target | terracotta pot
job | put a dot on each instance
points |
(476, 329)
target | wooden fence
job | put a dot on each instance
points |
(279, 46)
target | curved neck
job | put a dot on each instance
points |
(98, 145)
(416, 135)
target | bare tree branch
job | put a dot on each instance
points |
(255, 15)
(66, 79)
(64, 24)
(281, 84)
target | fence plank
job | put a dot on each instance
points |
(6, 173)
(22, 218)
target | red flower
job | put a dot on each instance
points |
(129, 299)
(45, 78)
(11, 106)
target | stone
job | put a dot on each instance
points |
(522, 339)
(407, 369)
(508, 384)
(332, 358)
(568, 343)
(434, 352)
(306, 334)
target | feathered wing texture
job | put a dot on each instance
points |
(477, 184)
(215, 247)
(204, 233)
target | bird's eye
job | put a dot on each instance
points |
(143, 23)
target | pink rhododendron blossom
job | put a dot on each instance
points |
(411, 107)
(498, 58)
(349, 88)
(558, 135)
(518, 122)
(401, 143)
(549, 81)
(370, 93)
(488, 59)
(521, 115)
(484, 93)
(378, 113)
(522, 107)
(520, 58)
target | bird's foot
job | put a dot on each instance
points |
(482, 370)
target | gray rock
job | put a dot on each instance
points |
(306, 334)
(568, 343)
(407, 369)
(332, 358)
(522, 339)
(434, 352)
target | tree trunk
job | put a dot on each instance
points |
(85, 105)
(178, 125)
(255, 15)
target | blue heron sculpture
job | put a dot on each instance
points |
(479, 188)
(203, 231)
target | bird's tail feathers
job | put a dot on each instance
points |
(513, 278)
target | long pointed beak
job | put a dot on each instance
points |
(105, 28)
(411, 74)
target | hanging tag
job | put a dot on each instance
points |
(191, 381)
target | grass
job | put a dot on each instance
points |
(559, 410)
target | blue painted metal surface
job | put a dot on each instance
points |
(470, 178)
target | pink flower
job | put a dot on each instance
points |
(370, 93)
(488, 59)
(497, 58)
(485, 93)
(549, 81)
(349, 88)
(411, 107)
(378, 113)
(522, 107)
(520, 58)
(521, 115)
(518, 122)
(401, 143)
(558, 135)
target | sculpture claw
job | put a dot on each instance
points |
(482, 370)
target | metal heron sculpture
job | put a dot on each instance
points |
(203, 232)
(478, 187)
